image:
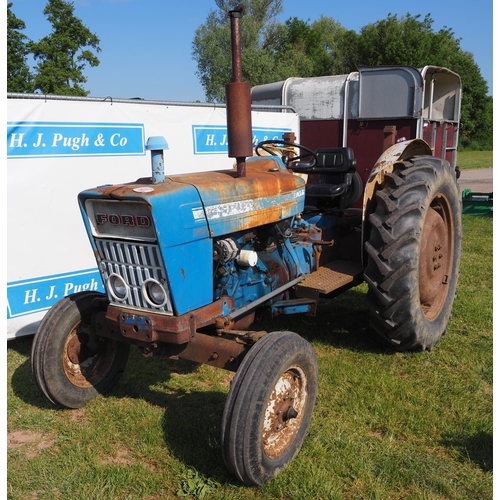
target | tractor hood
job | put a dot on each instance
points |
(196, 205)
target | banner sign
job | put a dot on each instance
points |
(38, 139)
(35, 295)
(213, 140)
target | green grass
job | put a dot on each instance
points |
(386, 425)
(475, 159)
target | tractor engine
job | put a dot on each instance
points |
(256, 263)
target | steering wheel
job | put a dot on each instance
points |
(276, 142)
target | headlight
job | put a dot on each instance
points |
(117, 287)
(154, 293)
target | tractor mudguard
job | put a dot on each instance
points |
(385, 164)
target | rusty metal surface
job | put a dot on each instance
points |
(239, 107)
(435, 260)
(151, 327)
(385, 164)
(239, 120)
(267, 194)
(284, 412)
(84, 366)
(332, 276)
(209, 350)
(397, 153)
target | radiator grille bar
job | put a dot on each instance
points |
(135, 263)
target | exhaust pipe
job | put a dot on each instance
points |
(238, 102)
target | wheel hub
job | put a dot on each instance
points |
(85, 364)
(284, 412)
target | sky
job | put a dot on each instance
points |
(146, 45)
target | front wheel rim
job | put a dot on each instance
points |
(284, 412)
(85, 367)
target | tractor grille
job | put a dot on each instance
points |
(135, 263)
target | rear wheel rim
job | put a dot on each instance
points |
(436, 253)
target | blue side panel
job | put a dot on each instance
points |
(186, 247)
(189, 271)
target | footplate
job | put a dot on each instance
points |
(332, 276)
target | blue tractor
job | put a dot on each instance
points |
(188, 261)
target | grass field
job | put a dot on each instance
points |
(386, 425)
(475, 159)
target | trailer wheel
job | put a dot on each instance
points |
(413, 253)
(70, 364)
(269, 407)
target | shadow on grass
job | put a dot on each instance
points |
(341, 322)
(192, 431)
(477, 448)
(191, 422)
(139, 376)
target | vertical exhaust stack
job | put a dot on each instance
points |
(238, 103)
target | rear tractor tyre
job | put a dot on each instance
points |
(69, 363)
(413, 253)
(269, 407)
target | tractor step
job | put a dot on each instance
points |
(332, 276)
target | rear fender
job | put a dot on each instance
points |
(385, 164)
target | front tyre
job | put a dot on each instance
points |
(413, 253)
(70, 364)
(269, 407)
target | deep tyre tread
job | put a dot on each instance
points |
(412, 283)
(67, 384)
(245, 447)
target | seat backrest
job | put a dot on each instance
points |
(339, 160)
(329, 161)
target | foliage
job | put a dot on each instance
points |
(211, 47)
(19, 77)
(273, 51)
(61, 56)
(195, 485)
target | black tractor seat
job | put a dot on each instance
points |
(330, 173)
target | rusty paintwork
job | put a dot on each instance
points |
(269, 193)
(176, 336)
(435, 264)
(147, 326)
(239, 109)
(285, 412)
(86, 365)
(210, 350)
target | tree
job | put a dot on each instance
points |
(271, 51)
(412, 41)
(339, 43)
(19, 77)
(63, 55)
(211, 47)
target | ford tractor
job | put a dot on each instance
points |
(189, 260)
